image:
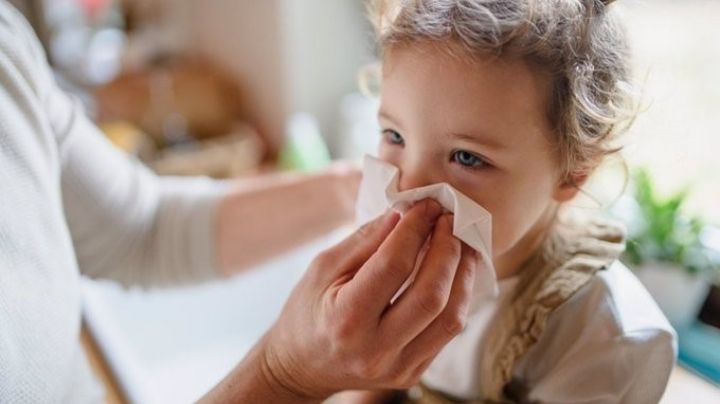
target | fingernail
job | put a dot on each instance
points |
(432, 210)
(389, 215)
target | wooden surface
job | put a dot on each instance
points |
(102, 371)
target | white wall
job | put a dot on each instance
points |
(245, 37)
(327, 41)
(297, 55)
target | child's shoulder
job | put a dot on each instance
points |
(611, 297)
(617, 299)
(612, 308)
(610, 339)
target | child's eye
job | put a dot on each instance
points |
(467, 159)
(393, 137)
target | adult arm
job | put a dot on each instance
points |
(265, 216)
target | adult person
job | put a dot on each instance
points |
(71, 204)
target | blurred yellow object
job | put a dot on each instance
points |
(237, 153)
(128, 137)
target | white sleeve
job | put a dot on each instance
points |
(608, 344)
(126, 224)
(632, 369)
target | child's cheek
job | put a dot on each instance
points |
(504, 223)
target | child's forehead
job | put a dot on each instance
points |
(431, 65)
(454, 92)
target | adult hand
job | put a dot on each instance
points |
(339, 330)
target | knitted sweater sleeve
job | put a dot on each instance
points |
(126, 224)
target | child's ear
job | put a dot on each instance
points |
(570, 186)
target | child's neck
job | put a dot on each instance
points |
(511, 262)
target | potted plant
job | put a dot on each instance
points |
(665, 247)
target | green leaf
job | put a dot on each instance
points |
(667, 234)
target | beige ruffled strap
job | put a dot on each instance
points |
(569, 258)
(421, 394)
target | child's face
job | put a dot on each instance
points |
(481, 127)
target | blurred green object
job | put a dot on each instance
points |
(304, 149)
(665, 234)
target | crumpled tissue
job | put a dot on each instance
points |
(472, 223)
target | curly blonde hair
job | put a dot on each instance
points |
(581, 44)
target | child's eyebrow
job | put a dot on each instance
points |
(486, 141)
(382, 114)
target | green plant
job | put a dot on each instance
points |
(664, 233)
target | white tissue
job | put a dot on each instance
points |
(472, 223)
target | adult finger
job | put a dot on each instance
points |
(453, 318)
(351, 253)
(426, 298)
(386, 271)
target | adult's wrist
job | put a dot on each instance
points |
(278, 377)
(256, 379)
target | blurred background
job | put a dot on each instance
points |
(231, 88)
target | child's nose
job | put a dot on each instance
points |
(414, 177)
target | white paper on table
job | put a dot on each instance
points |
(472, 223)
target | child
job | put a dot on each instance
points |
(515, 103)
